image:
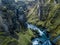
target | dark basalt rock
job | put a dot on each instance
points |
(12, 22)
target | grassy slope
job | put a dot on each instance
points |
(25, 38)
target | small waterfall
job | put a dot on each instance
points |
(35, 29)
(42, 40)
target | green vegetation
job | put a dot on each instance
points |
(52, 23)
(25, 38)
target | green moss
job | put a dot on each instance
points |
(25, 38)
